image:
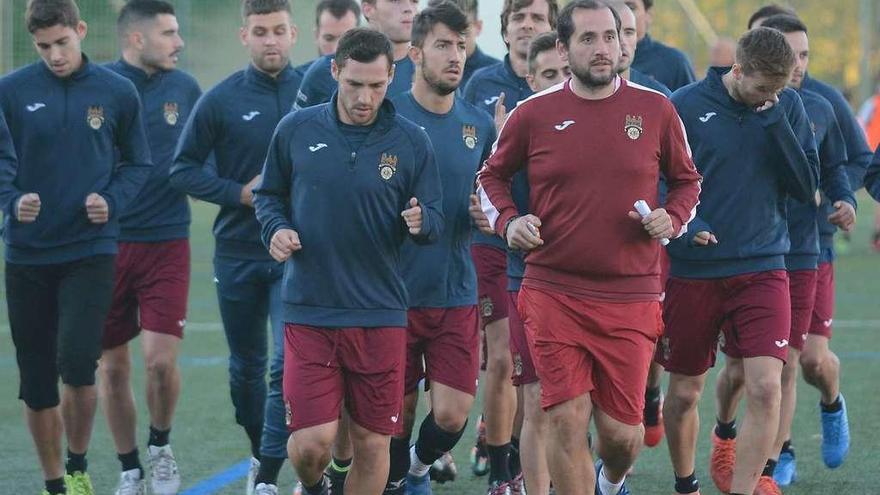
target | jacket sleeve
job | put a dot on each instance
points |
(872, 177)
(135, 163)
(316, 86)
(790, 130)
(9, 193)
(832, 161)
(427, 189)
(272, 195)
(680, 176)
(189, 172)
(858, 152)
(509, 154)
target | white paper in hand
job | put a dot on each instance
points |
(644, 210)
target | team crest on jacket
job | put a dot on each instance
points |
(486, 307)
(171, 113)
(469, 135)
(633, 126)
(665, 350)
(387, 166)
(95, 117)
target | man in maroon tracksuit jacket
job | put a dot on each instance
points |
(590, 296)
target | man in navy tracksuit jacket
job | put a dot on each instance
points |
(668, 65)
(754, 150)
(345, 300)
(152, 267)
(443, 325)
(484, 90)
(811, 283)
(333, 18)
(62, 202)
(390, 17)
(234, 121)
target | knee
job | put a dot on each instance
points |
(622, 440)
(733, 375)
(566, 420)
(450, 420)
(812, 363)
(681, 399)
(371, 448)
(309, 450)
(77, 370)
(161, 367)
(499, 361)
(114, 374)
(765, 391)
(790, 371)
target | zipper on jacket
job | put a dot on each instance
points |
(64, 123)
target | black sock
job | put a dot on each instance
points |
(688, 484)
(340, 465)
(769, 468)
(255, 434)
(787, 447)
(499, 462)
(269, 469)
(652, 403)
(76, 462)
(514, 462)
(314, 489)
(131, 461)
(56, 486)
(833, 407)
(725, 431)
(399, 459)
(434, 441)
(158, 438)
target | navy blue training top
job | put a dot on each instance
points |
(66, 132)
(668, 65)
(442, 275)
(234, 122)
(346, 206)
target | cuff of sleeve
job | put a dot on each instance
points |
(501, 222)
(233, 193)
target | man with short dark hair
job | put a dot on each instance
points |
(668, 65)
(497, 89)
(345, 300)
(758, 17)
(591, 326)
(476, 58)
(152, 267)
(804, 271)
(546, 69)
(63, 200)
(333, 18)
(234, 121)
(754, 146)
(442, 321)
(393, 18)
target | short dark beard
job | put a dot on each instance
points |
(437, 86)
(590, 81)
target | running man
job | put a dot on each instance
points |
(802, 265)
(443, 325)
(153, 264)
(235, 121)
(497, 89)
(333, 18)
(345, 300)
(62, 200)
(753, 143)
(591, 327)
(394, 19)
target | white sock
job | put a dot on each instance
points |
(416, 466)
(607, 487)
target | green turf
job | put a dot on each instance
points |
(206, 439)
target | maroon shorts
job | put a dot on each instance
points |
(802, 285)
(491, 265)
(590, 346)
(665, 265)
(443, 346)
(362, 366)
(823, 310)
(752, 312)
(523, 366)
(150, 290)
